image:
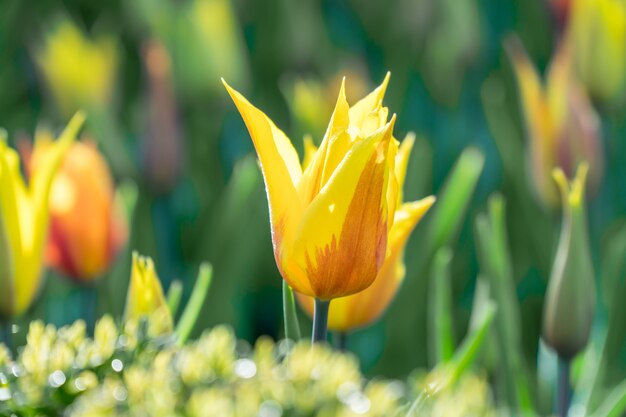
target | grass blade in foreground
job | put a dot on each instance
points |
(193, 307)
(495, 265)
(440, 320)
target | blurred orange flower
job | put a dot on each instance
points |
(87, 229)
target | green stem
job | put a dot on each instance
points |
(89, 296)
(292, 329)
(563, 388)
(342, 341)
(320, 321)
(6, 335)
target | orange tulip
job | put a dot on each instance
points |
(363, 308)
(86, 227)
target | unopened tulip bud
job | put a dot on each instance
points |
(571, 295)
(145, 297)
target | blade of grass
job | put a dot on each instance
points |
(194, 306)
(495, 265)
(440, 320)
(615, 404)
(174, 294)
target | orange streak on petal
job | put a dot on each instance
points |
(350, 263)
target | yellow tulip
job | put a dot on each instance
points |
(561, 124)
(24, 221)
(87, 229)
(330, 219)
(145, 297)
(360, 309)
(597, 32)
(79, 71)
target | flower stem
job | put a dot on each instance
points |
(342, 341)
(292, 329)
(563, 388)
(320, 321)
(6, 335)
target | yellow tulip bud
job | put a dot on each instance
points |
(86, 228)
(561, 124)
(363, 308)
(597, 32)
(24, 221)
(79, 71)
(331, 220)
(571, 294)
(145, 295)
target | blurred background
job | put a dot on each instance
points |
(148, 74)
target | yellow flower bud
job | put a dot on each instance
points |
(145, 295)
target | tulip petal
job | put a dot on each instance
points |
(402, 161)
(374, 300)
(341, 241)
(9, 232)
(279, 163)
(360, 309)
(365, 110)
(309, 152)
(331, 152)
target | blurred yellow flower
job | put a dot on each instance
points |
(597, 32)
(330, 219)
(561, 124)
(87, 229)
(145, 295)
(24, 221)
(361, 309)
(79, 71)
(311, 102)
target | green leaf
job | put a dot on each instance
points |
(194, 306)
(452, 203)
(441, 326)
(495, 266)
(615, 403)
(466, 353)
(292, 328)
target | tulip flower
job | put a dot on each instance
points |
(145, 295)
(571, 294)
(24, 221)
(331, 219)
(561, 124)
(597, 32)
(87, 229)
(79, 71)
(361, 309)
